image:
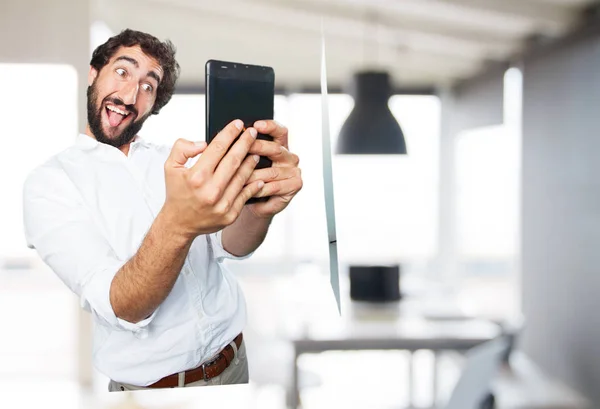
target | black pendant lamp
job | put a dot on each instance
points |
(371, 127)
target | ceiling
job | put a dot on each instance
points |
(423, 43)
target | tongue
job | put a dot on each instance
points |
(113, 118)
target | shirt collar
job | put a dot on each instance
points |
(86, 142)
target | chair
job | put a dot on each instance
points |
(473, 389)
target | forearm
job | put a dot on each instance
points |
(143, 283)
(245, 235)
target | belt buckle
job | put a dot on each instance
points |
(204, 365)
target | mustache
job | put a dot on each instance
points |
(119, 103)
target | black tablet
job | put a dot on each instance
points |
(238, 91)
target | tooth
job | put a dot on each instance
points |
(117, 110)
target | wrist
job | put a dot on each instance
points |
(168, 224)
(264, 218)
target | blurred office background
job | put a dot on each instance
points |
(493, 215)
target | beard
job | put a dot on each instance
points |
(94, 116)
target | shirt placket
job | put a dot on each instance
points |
(149, 199)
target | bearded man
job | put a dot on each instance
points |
(140, 236)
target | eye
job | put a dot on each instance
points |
(147, 87)
(120, 72)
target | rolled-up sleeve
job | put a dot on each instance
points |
(58, 225)
(219, 251)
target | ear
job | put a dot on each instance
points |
(92, 75)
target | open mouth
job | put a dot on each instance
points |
(116, 116)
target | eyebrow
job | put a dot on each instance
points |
(154, 75)
(151, 74)
(126, 58)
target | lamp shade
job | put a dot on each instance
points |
(371, 127)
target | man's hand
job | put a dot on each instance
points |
(211, 194)
(283, 179)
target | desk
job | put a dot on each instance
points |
(371, 329)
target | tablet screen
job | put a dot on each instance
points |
(235, 91)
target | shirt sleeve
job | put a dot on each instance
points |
(58, 225)
(220, 254)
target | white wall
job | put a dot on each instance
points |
(561, 212)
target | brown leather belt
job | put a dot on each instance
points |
(206, 371)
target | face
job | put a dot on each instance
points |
(120, 97)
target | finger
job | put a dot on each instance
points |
(230, 164)
(239, 179)
(183, 150)
(218, 147)
(273, 173)
(247, 192)
(272, 150)
(287, 188)
(273, 128)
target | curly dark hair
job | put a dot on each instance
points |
(163, 52)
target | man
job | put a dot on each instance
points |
(140, 235)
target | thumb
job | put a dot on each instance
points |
(183, 150)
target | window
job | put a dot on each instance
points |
(488, 173)
(385, 204)
(39, 112)
(488, 170)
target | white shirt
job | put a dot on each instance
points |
(86, 211)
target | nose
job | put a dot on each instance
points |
(128, 93)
